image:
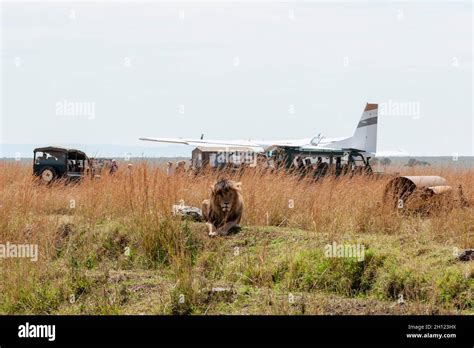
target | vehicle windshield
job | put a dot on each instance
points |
(50, 157)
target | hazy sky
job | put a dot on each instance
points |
(108, 73)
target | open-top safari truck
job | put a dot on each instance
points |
(52, 163)
(321, 162)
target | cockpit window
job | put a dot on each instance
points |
(317, 139)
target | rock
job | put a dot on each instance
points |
(220, 293)
(188, 212)
(220, 289)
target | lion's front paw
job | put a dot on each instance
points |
(212, 229)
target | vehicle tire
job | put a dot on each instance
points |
(48, 174)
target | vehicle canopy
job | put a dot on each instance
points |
(71, 153)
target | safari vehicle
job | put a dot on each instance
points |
(52, 163)
(321, 162)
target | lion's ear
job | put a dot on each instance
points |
(238, 185)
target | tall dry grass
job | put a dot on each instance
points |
(134, 208)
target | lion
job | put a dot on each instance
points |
(223, 211)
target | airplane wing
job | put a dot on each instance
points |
(245, 145)
(258, 146)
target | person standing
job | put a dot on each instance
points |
(129, 169)
(169, 168)
(180, 167)
(113, 167)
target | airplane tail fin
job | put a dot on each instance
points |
(365, 135)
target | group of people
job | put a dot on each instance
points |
(99, 165)
(320, 168)
(300, 165)
(178, 168)
(171, 169)
(305, 167)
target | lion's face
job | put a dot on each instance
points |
(226, 193)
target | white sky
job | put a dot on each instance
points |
(236, 70)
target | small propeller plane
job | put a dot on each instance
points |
(364, 139)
